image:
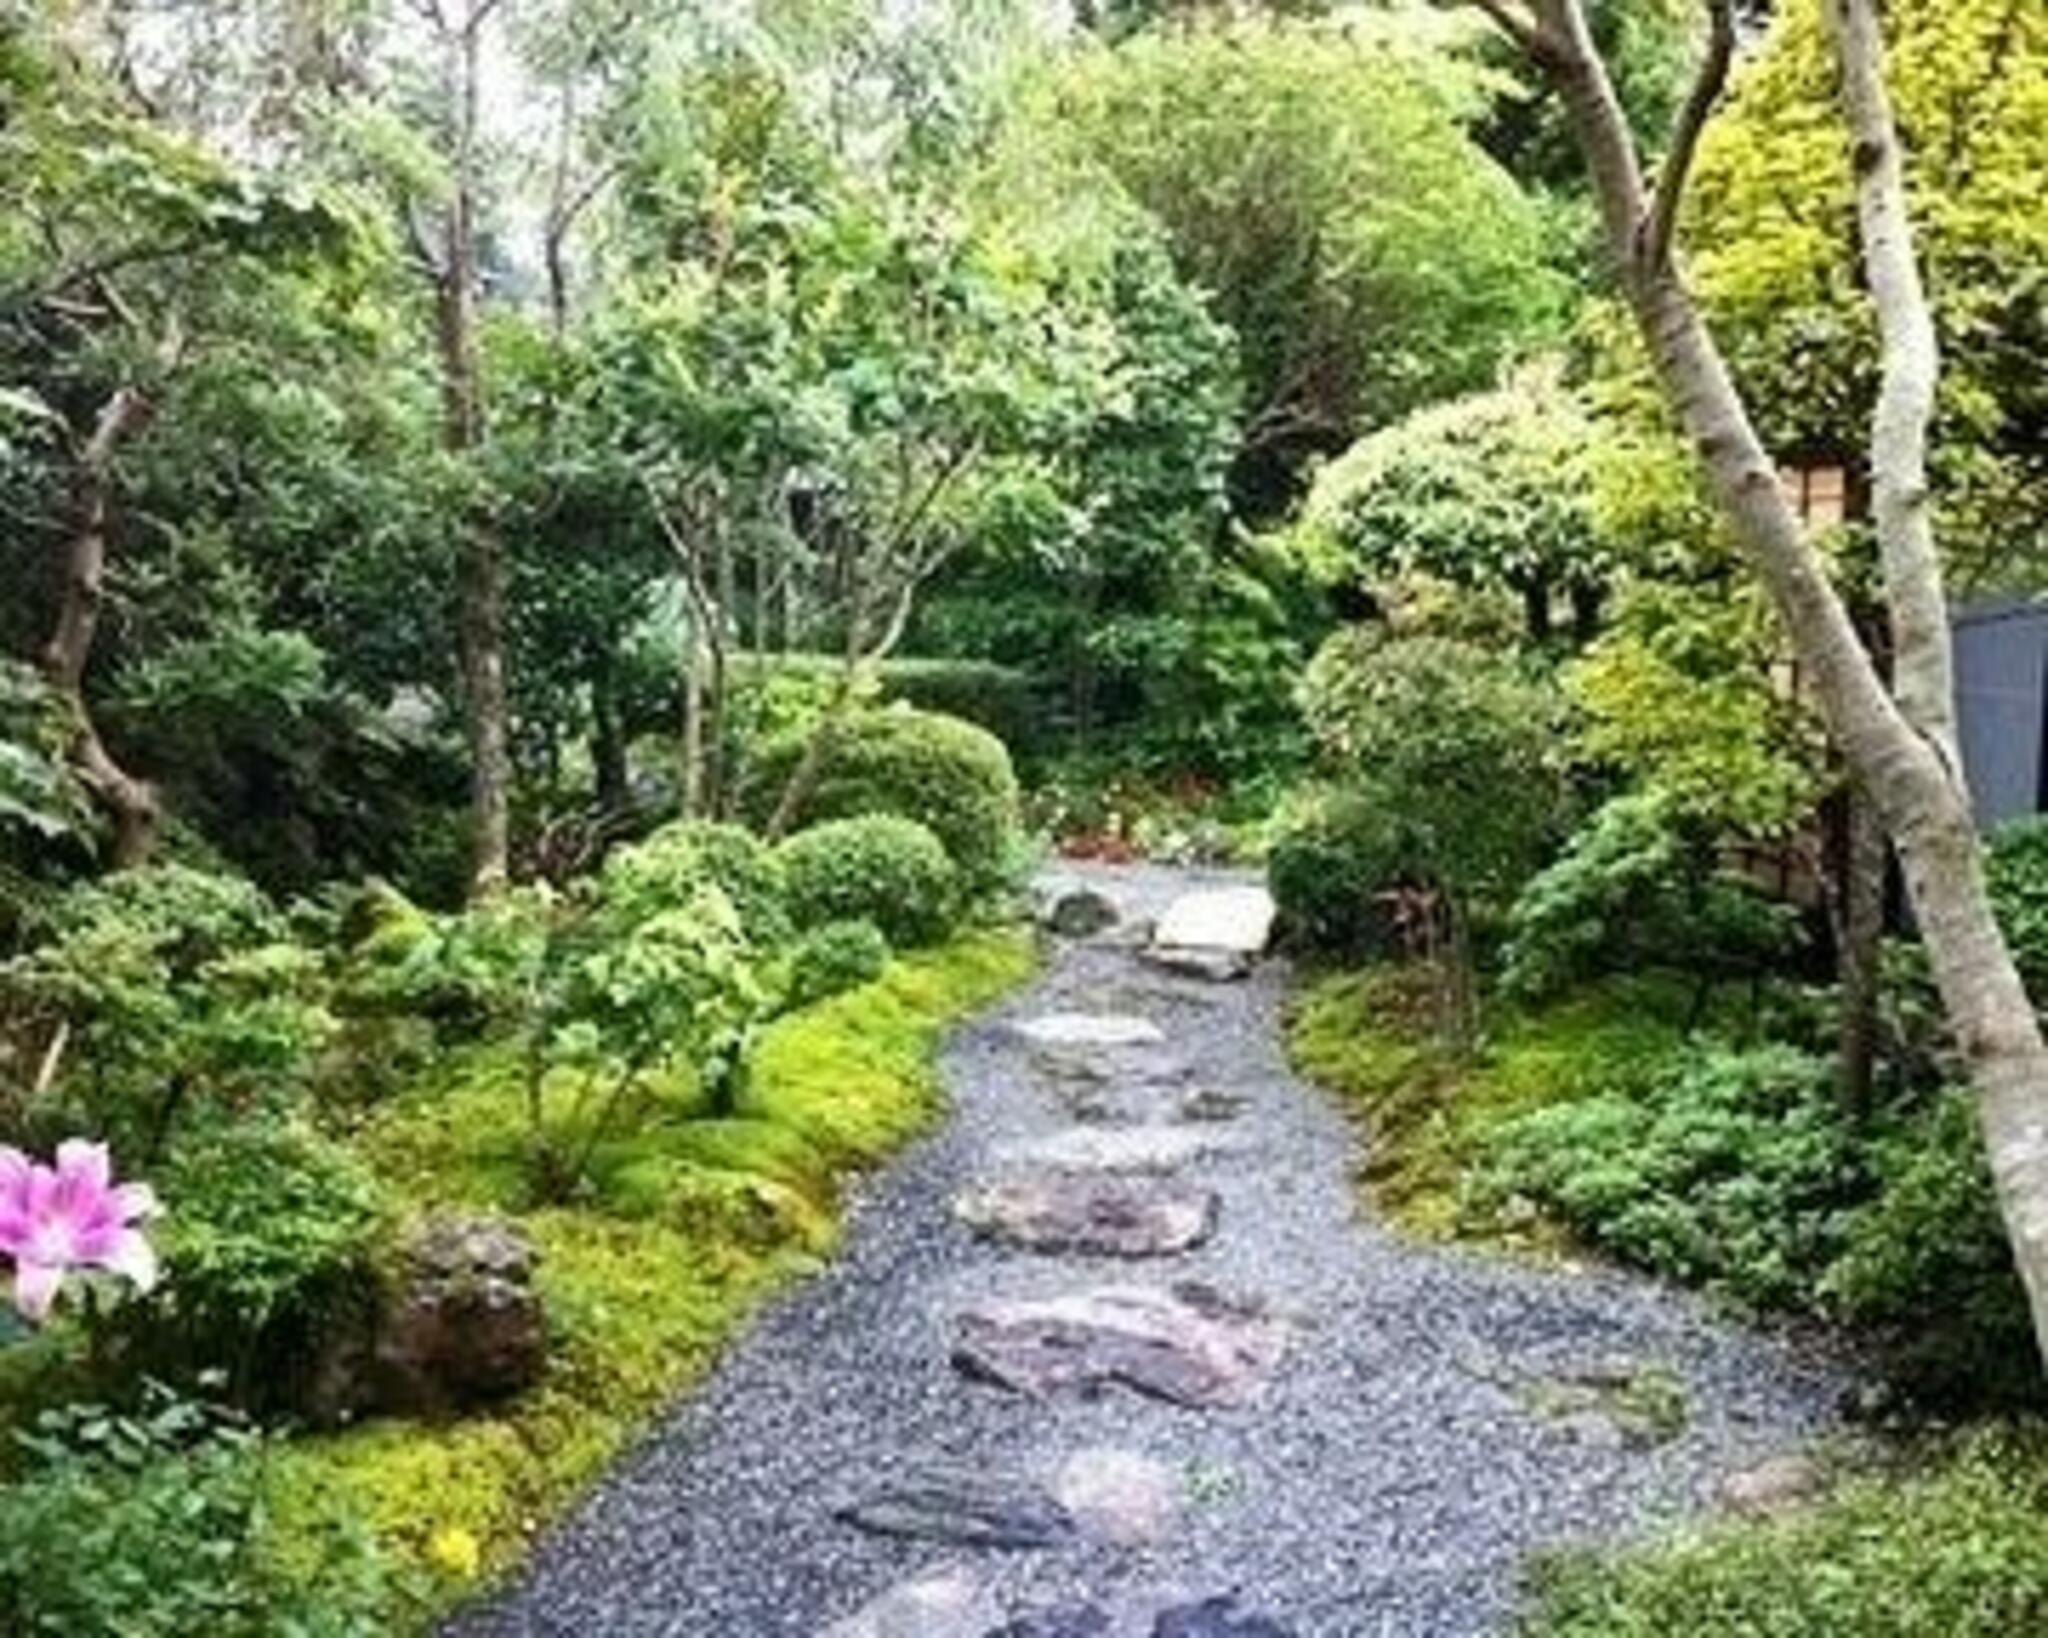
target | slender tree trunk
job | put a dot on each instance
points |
(608, 741)
(480, 588)
(692, 752)
(1903, 749)
(1861, 939)
(131, 803)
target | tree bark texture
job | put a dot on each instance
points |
(132, 804)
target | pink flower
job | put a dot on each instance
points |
(55, 1220)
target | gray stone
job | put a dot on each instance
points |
(1189, 1345)
(949, 1601)
(1776, 1485)
(1080, 912)
(464, 1325)
(1211, 1104)
(1119, 1497)
(964, 1506)
(1076, 1621)
(1196, 961)
(1216, 1618)
(1218, 918)
(1154, 1149)
(1094, 1214)
(1090, 1029)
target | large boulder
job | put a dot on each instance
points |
(463, 1324)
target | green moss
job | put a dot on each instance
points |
(1366, 1036)
(693, 1221)
(1956, 1548)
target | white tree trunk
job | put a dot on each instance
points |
(1902, 750)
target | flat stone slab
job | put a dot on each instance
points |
(949, 1601)
(1189, 1345)
(1154, 1149)
(1199, 961)
(1091, 1029)
(1210, 1104)
(1218, 918)
(1094, 1214)
(967, 1507)
(1119, 1496)
(1217, 1618)
(1080, 1621)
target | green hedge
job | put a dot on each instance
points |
(946, 774)
(878, 868)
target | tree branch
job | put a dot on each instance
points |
(1654, 244)
(1523, 29)
(1923, 658)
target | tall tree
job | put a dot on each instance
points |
(450, 261)
(1899, 741)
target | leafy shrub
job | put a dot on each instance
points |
(1727, 1167)
(269, 1235)
(948, 775)
(153, 1524)
(670, 866)
(1334, 851)
(1457, 744)
(464, 972)
(177, 987)
(834, 957)
(888, 870)
(1927, 1260)
(2016, 871)
(1636, 888)
(1956, 1549)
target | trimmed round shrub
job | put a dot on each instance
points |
(947, 774)
(838, 956)
(670, 866)
(1334, 853)
(880, 868)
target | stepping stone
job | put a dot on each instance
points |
(1778, 1484)
(966, 1507)
(1154, 1149)
(1238, 919)
(1210, 1104)
(1189, 1345)
(1119, 1497)
(950, 1601)
(1096, 1029)
(1197, 961)
(1216, 1618)
(1100, 1214)
(1080, 912)
(1082, 1621)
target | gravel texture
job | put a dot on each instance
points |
(1390, 1479)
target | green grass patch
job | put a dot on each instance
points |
(1957, 1548)
(691, 1223)
(1431, 1113)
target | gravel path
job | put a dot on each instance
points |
(1430, 1423)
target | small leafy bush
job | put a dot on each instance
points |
(2016, 871)
(891, 871)
(178, 989)
(1458, 745)
(1956, 1548)
(1728, 1169)
(153, 1524)
(1637, 888)
(1927, 1261)
(835, 957)
(670, 866)
(946, 774)
(270, 1235)
(1334, 853)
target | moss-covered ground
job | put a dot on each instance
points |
(687, 1226)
